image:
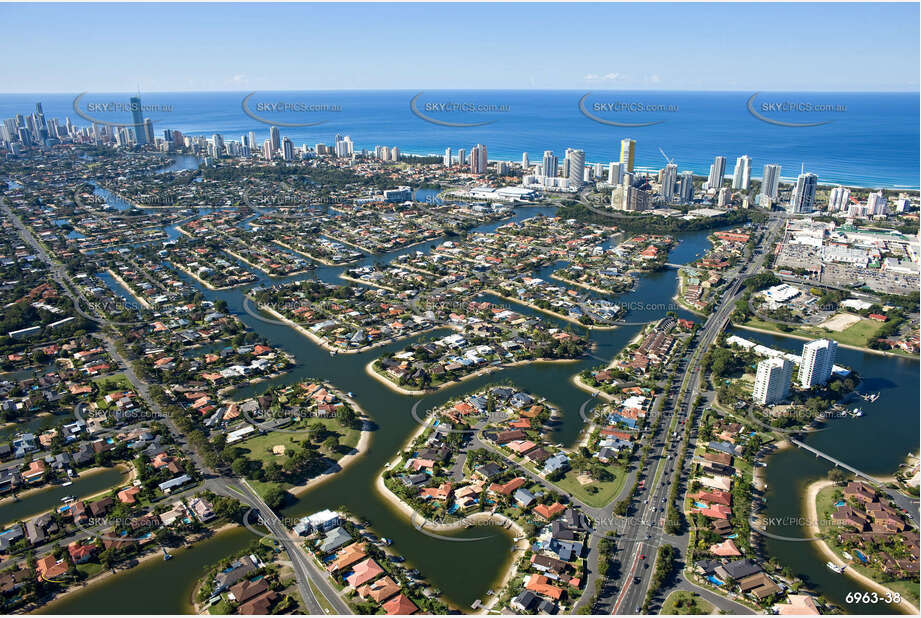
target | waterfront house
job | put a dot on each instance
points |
(725, 549)
(400, 605)
(379, 590)
(334, 539)
(364, 572)
(49, 568)
(524, 497)
(737, 569)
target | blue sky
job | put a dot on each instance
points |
(179, 47)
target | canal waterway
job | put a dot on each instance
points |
(465, 570)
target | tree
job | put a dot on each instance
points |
(837, 476)
(276, 497)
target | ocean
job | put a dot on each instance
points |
(867, 139)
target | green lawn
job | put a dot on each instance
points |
(90, 569)
(607, 491)
(858, 334)
(685, 603)
(259, 448)
(115, 382)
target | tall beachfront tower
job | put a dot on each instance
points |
(803, 198)
(770, 180)
(741, 177)
(627, 153)
(137, 119)
(717, 171)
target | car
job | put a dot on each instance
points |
(636, 580)
(642, 556)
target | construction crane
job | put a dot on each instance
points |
(670, 161)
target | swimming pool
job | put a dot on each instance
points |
(700, 505)
(714, 580)
(840, 503)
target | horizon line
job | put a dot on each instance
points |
(593, 90)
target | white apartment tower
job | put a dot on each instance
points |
(818, 359)
(741, 177)
(772, 381)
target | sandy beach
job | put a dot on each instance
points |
(360, 449)
(261, 269)
(559, 316)
(311, 257)
(125, 285)
(812, 491)
(369, 369)
(202, 281)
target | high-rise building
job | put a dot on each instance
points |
(253, 144)
(446, 160)
(550, 164)
(461, 156)
(275, 138)
(287, 149)
(741, 177)
(686, 187)
(148, 131)
(770, 180)
(635, 199)
(217, 141)
(876, 204)
(627, 153)
(772, 381)
(615, 172)
(525, 162)
(902, 203)
(576, 166)
(803, 198)
(723, 197)
(267, 149)
(137, 119)
(817, 362)
(478, 159)
(669, 178)
(394, 152)
(717, 171)
(838, 199)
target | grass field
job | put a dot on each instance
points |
(685, 603)
(114, 382)
(260, 447)
(607, 491)
(859, 335)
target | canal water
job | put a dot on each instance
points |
(875, 443)
(465, 570)
(155, 586)
(88, 484)
(473, 566)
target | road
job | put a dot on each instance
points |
(637, 546)
(305, 570)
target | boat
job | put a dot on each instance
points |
(166, 555)
(67, 484)
(386, 541)
(68, 499)
(856, 412)
(847, 556)
(834, 567)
